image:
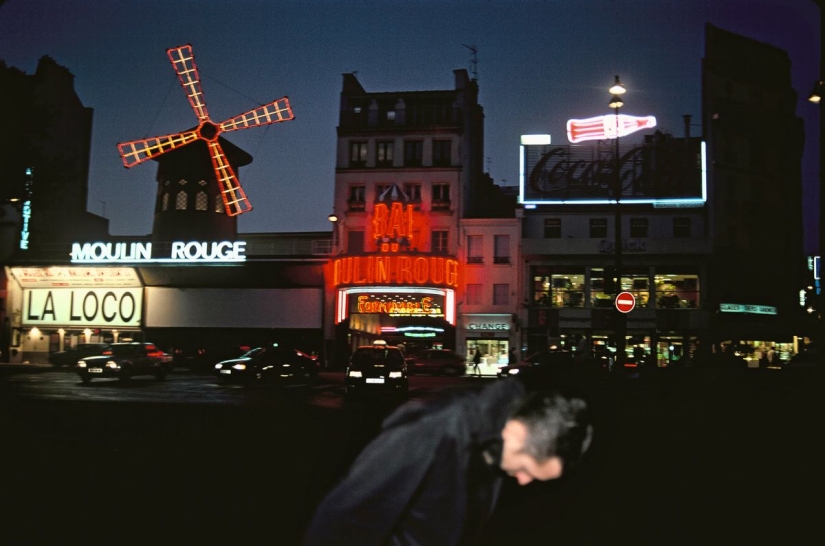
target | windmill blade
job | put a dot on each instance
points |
(234, 198)
(138, 151)
(274, 112)
(183, 60)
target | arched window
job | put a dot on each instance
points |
(219, 205)
(180, 200)
(201, 201)
(164, 201)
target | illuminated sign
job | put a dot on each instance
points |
(27, 211)
(395, 269)
(76, 277)
(753, 309)
(392, 226)
(181, 252)
(664, 171)
(398, 305)
(535, 139)
(69, 307)
(488, 326)
(402, 301)
(603, 127)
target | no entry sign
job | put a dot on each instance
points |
(625, 302)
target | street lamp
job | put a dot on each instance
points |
(816, 96)
(616, 102)
(334, 219)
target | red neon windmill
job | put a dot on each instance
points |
(138, 151)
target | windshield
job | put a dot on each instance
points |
(377, 356)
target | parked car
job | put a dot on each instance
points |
(203, 357)
(126, 360)
(437, 362)
(70, 356)
(377, 368)
(547, 364)
(270, 364)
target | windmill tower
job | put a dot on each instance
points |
(196, 198)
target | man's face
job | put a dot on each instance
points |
(518, 464)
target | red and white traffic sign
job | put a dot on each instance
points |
(625, 302)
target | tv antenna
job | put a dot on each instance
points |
(473, 61)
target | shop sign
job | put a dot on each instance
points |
(488, 326)
(109, 307)
(628, 245)
(398, 305)
(752, 309)
(181, 252)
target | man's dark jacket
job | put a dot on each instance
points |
(429, 478)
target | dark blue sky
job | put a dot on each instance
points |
(540, 62)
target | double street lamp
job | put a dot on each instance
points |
(616, 91)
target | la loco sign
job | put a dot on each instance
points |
(70, 307)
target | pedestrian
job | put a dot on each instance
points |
(432, 475)
(477, 361)
(512, 356)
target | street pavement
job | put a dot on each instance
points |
(690, 457)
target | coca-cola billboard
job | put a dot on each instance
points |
(662, 170)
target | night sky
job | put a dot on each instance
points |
(539, 63)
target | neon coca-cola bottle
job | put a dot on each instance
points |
(607, 126)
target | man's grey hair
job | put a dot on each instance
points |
(557, 424)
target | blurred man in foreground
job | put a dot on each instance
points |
(432, 475)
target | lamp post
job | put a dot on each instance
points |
(816, 97)
(616, 91)
(334, 219)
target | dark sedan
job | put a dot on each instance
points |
(378, 368)
(271, 364)
(124, 361)
(70, 356)
(437, 362)
(546, 363)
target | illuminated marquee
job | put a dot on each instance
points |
(395, 269)
(400, 302)
(108, 307)
(399, 305)
(181, 252)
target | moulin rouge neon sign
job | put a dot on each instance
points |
(192, 251)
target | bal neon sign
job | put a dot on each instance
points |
(603, 127)
(395, 269)
(181, 252)
(392, 226)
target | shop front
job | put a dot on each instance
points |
(493, 336)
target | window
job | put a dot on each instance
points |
(413, 152)
(638, 228)
(357, 197)
(413, 192)
(383, 153)
(441, 196)
(438, 242)
(381, 189)
(442, 153)
(567, 288)
(355, 241)
(602, 287)
(219, 208)
(681, 227)
(474, 251)
(181, 200)
(552, 228)
(501, 244)
(474, 294)
(357, 154)
(598, 228)
(201, 201)
(164, 202)
(501, 293)
(677, 291)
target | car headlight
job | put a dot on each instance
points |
(514, 371)
(81, 364)
(396, 375)
(112, 364)
(239, 367)
(354, 373)
(218, 366)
